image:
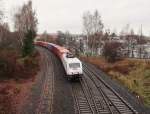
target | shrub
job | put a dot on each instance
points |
(111, 51)
(7, 63)
(12, 67)
(147, 74)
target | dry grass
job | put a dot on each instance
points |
(16, 78)
(132, 73)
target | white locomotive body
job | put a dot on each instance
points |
(71, 64)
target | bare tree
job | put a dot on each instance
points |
(45, 36)
(128, 35)
(125, 32)
(68, 39)
(141, 41)
(87, 24)
(61, 38)
(93, 28)
(1, 16)
(1, 11)
(25, 20)
(132, 42)
(4, 35)
(87, 27)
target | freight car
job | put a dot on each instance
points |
(71, 64)
(41, 43)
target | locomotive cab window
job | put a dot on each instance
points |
(69, 55)
(74, 65)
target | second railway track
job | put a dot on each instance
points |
(82, 100)
(111, 102)
(92, 95)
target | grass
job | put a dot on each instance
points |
(132, 73)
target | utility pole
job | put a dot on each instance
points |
(141, 35)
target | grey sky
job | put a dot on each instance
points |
(65, 15)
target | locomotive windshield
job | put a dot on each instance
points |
(74, 65)
(69, 55)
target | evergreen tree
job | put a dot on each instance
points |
(28, 46)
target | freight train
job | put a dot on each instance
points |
(71, 64)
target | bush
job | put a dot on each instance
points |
(28, 66)
(12, 67)
(111, 51)
(7, 63)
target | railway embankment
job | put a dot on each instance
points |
(129, 77)
(51, 93)
(17, 75)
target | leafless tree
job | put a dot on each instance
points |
(4, 34)
(127, 35)
(141, 41)
(1, 16)
(69, 40)
(87, 24)
(25, 20)
(1, 11)
(93, 28)
(45, 36)
(6, 39)
(61, 38)
(132, 42)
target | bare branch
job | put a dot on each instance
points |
(93, 29)
(25, 20)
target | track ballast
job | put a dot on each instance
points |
(103, 98)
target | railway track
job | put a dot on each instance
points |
(102, 105)
(91, 94)
(81, 100)
(88, 100)
(45, 106)
(112, 102)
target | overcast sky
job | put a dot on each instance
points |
(54, 15)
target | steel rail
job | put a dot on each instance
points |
(82, 101)
(102, 93)
(110, 88)
(88, 90)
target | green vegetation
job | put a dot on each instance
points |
(28, 46)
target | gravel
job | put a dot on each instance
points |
(123, 91)
(40, 100)
(34, 99)
(63, 99)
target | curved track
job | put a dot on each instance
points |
(53, 94)
(82, 100)
(40, 100)
(94, 96)
(46, 99)
(112, 102)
